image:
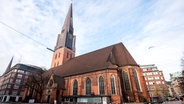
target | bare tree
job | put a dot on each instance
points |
(35, 85)
(182, 78)
(182, 64)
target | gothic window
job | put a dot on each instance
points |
(126, 81)
(136, 80)
(59, 54)
(88, 86)
(101, 85)
(50, 83)
(67, 55)
(75, 87)
(113, 90)
(55, 56)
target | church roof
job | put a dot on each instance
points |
(104, 58)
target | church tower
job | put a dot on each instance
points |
(65, 45)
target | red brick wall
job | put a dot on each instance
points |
(94, 80)
(106, 74)
(143, 89)
(61, 55)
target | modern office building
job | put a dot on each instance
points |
(177, 82)
(12, 84)
(155, 82)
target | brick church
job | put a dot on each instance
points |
(107, 75)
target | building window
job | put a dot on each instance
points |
(55, 56)
(101, 85)
(126, 81)
(51, 82)
(13, 75)
(18, 81)
(75, 87)
(70, 55)
(19, 76)
(158, 82)
(21, 93)
(11, 80)
(67, 56)
(88, 86)
(16, 87)
(20, 71)
(150, 83)
(9, 86)
(14, 92)
(145, 78)
(27, 73)
(136, 80)
(144, 69)
(15, 70)
(7, 92)
(59, 54)
(113, 90)
(26, 77)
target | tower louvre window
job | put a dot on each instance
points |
(56, 56)
(67, 55)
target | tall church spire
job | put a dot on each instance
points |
(65, 45)
(9, 66)
(66, 37)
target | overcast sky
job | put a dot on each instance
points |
(152, 30)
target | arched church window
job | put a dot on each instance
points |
(88, 86)
(101, 85)
(55, 56)
(113, 89)
(126, 81)
(50, 83)
(75, 87)
(136, 80)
